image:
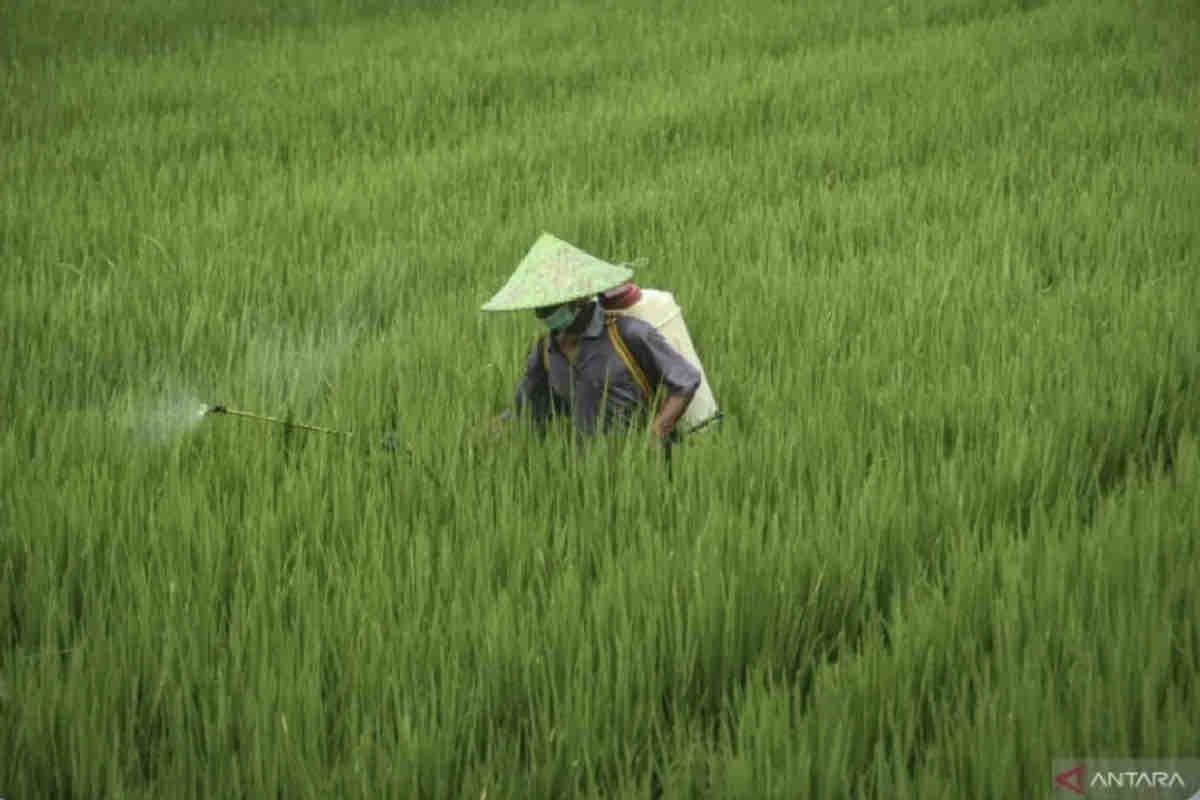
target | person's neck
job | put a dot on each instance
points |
(581, 322)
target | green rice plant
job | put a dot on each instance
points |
(938, 257)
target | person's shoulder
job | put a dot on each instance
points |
(538, 344)
(632, 327)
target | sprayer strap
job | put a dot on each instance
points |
(618, 343)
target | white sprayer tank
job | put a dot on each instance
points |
(660, 310)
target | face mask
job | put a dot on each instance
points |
(561, 317)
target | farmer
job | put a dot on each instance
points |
(603, 370)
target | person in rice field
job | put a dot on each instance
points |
(602, 369)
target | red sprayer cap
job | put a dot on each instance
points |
(623, 296)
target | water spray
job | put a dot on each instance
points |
(233, 412)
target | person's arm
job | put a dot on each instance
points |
(672, 409)
(533, 394)
(665, 367)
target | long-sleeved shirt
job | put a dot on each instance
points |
(597, 389)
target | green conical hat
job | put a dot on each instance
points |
(553, 272)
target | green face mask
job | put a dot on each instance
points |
(561, 317)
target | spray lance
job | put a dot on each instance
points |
(233, 412)
(389, 441)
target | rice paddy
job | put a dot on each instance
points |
(939, 258)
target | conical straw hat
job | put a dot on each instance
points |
(554, 272)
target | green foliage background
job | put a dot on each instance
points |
(939, 257)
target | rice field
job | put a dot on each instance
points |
(940, 258)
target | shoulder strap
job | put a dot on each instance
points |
(545, 343)
(618, 343)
